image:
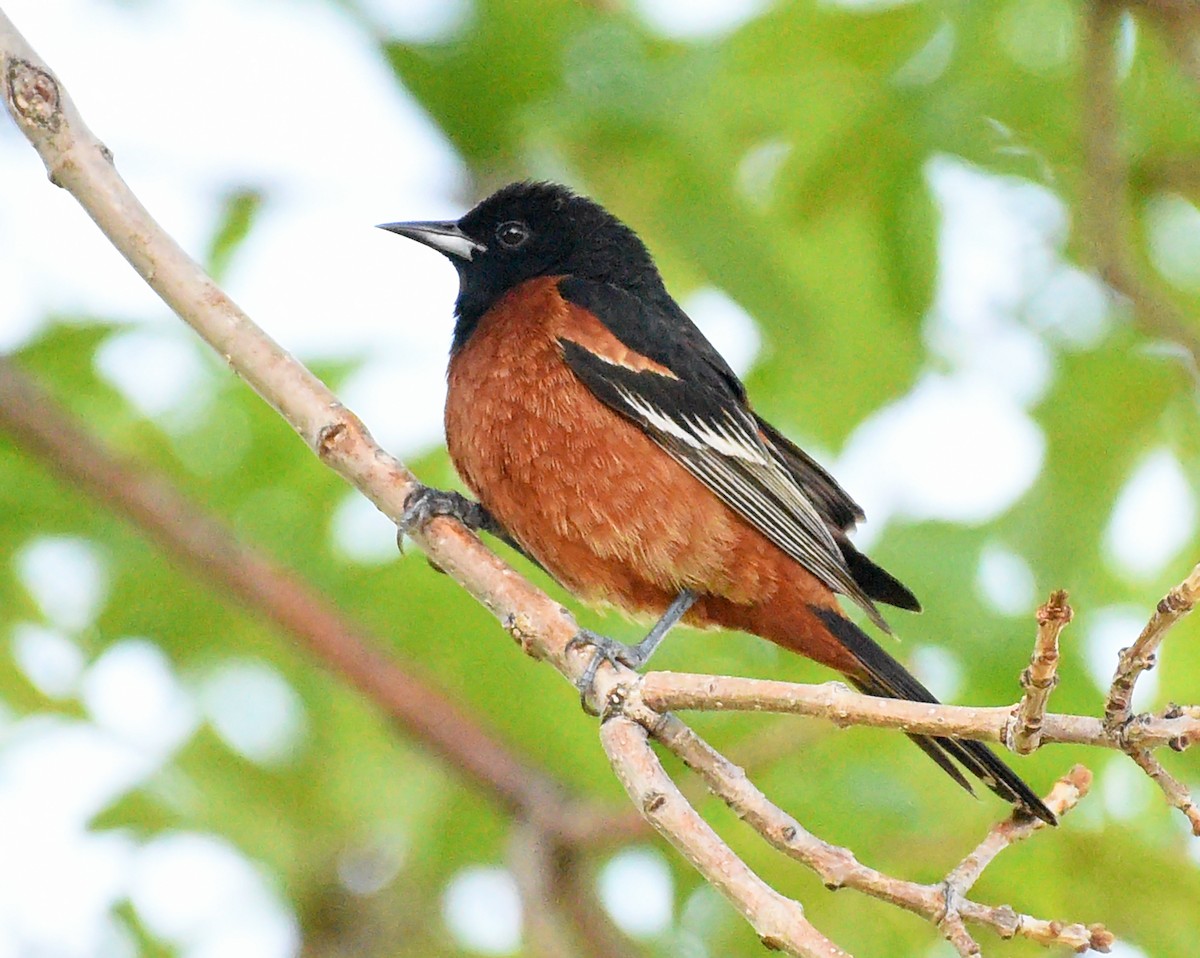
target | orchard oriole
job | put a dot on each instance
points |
(606, 438)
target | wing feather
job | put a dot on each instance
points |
(719, 441)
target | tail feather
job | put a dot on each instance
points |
(887, 678)
(876, 581)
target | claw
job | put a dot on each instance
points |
(425, 503)
(607, 650)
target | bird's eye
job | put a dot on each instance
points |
(512, 234)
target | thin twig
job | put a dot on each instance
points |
(834, 702)
(1176, 793)
(1024, 733)
(837, 867)
(779, 921)
(1067, 792)
(1140, 656)
(1119, 722)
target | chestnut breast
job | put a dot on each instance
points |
(582, 489)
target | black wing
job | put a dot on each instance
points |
(717, 440)
(661, 331)
(831, 500)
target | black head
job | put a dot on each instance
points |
(526, 230)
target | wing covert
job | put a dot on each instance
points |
(720, 442)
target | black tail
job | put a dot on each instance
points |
(887, 678)
(875, 581)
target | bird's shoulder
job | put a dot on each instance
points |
(653, 327)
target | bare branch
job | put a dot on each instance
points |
(779, 921)
(1140, 656)
(1068, 791)
(1024, 733)
(838, 868)
(834, 702)
(1176, 793)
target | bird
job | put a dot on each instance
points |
(604, 436)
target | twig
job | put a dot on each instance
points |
(1176, 793)
(1140, 656)
(834, 702)
(1024, 733)
(1064, 796)
(1132, 662)
(837, 867)
(1067, 792)
(779, 921)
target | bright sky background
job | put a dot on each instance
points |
(324, 282)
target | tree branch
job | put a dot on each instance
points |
(1176, 793)
(1066, 794)
(837, 867)
(1024, 733)
(834, 702)
(1140, 656)
(779, 921)
(77, 161)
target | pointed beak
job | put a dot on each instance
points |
(444, 237)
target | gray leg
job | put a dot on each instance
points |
(635, 656)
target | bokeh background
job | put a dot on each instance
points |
(888, 216)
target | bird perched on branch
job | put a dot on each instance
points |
(606, 438)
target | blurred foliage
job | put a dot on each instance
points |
(239, 208)
(786, 164)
